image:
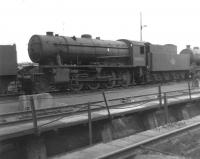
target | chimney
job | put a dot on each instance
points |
(88, 36)
(49, 33)
(188, 46)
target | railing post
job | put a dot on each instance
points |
(189, 90)
(160, 95)
(90, 124)
(34, 116)
(166, 108)
(107, 107)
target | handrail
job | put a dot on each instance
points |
(102, 103)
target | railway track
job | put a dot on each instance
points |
(148, 146)
(117, 88)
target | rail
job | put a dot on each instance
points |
(129, 151)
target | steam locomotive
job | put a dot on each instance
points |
(86, 63)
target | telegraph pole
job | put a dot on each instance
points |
(141, 26)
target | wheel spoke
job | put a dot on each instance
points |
(93, 85)
(112, 80)
(126, 78)
(77, 86)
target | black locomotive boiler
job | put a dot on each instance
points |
(86, 63)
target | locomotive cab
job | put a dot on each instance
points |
(137, 53)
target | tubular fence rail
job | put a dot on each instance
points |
(57, 113)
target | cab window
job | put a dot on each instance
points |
(141, 50)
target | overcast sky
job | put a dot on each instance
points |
(168, 21)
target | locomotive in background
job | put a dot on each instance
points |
(85, 63)
(12, 73)
(8, 66)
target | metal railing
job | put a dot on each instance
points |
(57, 113)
